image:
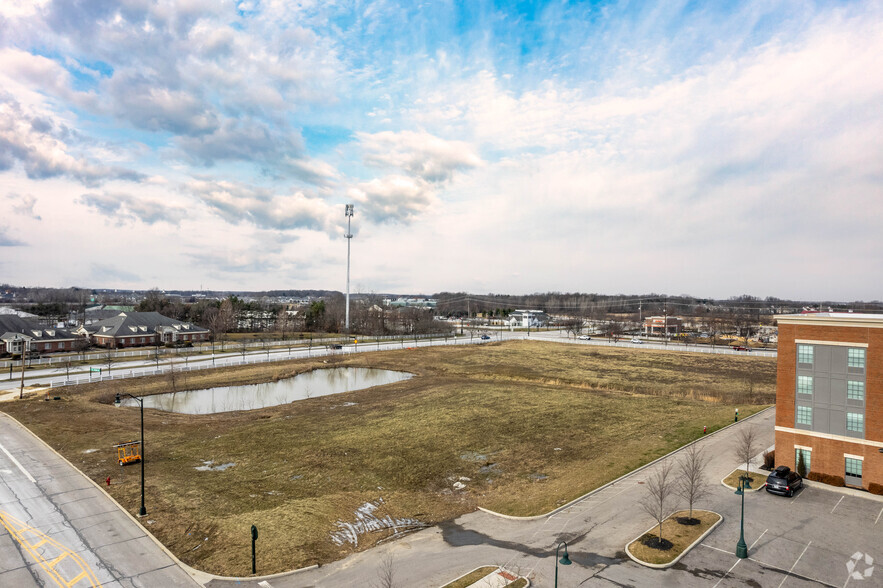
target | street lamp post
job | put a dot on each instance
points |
(565, 561)
(741, 547)
(349, 237)
(116, 402)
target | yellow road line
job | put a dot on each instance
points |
(19, 531)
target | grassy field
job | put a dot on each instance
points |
(532, 425)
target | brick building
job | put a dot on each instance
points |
(137, 329)
(829, 395)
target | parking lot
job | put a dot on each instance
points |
(820, 537)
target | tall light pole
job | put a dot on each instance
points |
(349, 237)
(564, 560)
(117, 403)
(741, 547)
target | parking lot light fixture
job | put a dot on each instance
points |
(117, 403)
(741, 547)
(565, 561)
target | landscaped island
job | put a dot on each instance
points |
(518, 427)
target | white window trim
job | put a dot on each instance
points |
(830, 436)
(803, 447)
(836, 343)
(850, 456)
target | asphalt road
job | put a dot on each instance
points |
(59, 529)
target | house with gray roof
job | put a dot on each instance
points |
(135, 329)
(18, 334)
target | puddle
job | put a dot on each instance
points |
(538, 477)
(208, 466)
(321, 382)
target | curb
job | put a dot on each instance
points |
(733, 488)
(843, 490)
(199, 577)
(619, 479)
(683, 553)
(498, 568)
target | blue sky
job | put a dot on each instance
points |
(617, 147)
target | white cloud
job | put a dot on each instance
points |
(238, 203)
(393, 198)
(419, 153)
(125, 208)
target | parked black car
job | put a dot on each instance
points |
(783, 481)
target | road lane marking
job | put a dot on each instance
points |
(838, 504)
(878, 516)
(21, 533)
(18, 465)
(795, 563)
(758, 539)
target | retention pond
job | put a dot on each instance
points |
(321, 382)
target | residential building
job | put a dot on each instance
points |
(135, 329)
(829, 395)
(18, 334)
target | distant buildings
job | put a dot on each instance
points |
(662, 325)
(18, 334)
(829, 395)
(411, 302)
(528, 318)
(135, 329)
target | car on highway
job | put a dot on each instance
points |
(783, 481)
(485, 337)
(585, 338)
(636, 340)
(335, 346)
(741, 348)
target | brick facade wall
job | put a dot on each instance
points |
(828, 454)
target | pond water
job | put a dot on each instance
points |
(321, 382)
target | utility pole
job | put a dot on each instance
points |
(349, 236)
(21, 390)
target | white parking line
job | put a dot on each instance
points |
(19, 466)
(795, 563)
(838, 504)
(758, 539)
(728, 573)
(878, 516)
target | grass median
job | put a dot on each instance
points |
(532, 425)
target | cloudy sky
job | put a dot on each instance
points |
(715, 148)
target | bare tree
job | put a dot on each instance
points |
(747, 445)
(660, 493)
(386, 572)
(572, 326)
(158, 353)
(108, 358)
(692, 485)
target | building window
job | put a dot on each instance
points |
(806, 454)
(856, 358)
(854, 468)
(804, 354)
(47, 346)
(804, 384)
(804, 415)
(855, 422)
(855, 390)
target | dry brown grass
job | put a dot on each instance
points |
(681, 537)
(757, 480)
(471, 578)
(577, 415)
